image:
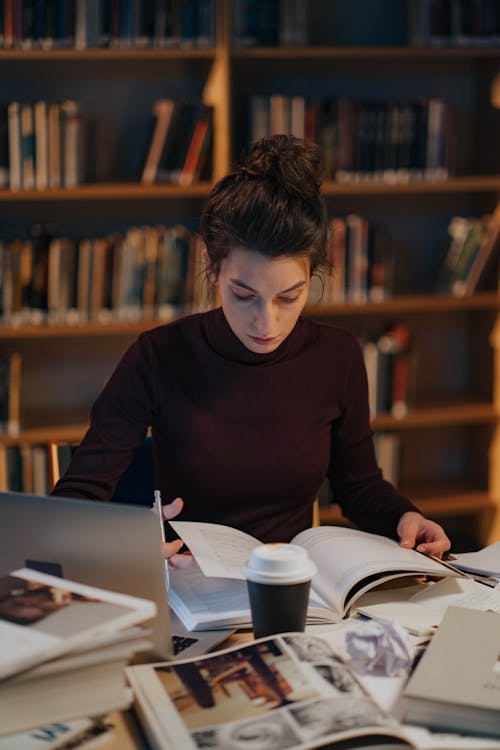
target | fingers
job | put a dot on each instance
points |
(436, 547)
(170, 510)
(186, 560)
(169, 549)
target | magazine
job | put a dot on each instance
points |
(213, 593)
(293, 691)
(43, 617)
(288, 691)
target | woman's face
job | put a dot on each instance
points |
(262, 297)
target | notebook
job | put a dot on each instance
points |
(109, 545)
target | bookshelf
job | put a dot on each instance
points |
(450, 438)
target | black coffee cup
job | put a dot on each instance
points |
(278, 580)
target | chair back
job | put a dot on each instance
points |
(136, 485)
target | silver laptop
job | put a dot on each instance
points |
(113, 546)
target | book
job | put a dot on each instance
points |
(87, 683)
(456, 684)
(10, 391)
(349, 562)
(27, 147)
(14, 131)
(43, 617)
(196, 151)
(56, 736)
(163, 110)
(40, 113)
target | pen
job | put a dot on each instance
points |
(158, 510)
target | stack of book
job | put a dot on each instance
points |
(64, 639)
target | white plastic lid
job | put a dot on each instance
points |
(279, 564)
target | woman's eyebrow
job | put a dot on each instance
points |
(238, 282)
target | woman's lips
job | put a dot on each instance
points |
(259, 340)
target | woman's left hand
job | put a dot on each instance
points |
(416, 531)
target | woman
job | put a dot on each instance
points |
(252, 405)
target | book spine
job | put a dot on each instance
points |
(14, 129)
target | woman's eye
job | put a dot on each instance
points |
(243, 297)
(288, 300)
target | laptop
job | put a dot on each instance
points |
(109, 545)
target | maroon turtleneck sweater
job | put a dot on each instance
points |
(245, 439)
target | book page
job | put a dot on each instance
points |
(345, 557)
(485, 561)
(219, 550)
(457, 592)
(201, 601)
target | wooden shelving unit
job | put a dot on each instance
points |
(458, 397)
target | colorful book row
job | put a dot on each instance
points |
(40, 145)
(149, 273)
(378, 140)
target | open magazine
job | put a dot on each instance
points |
(291, 691)
(43, 617)
(213, 593)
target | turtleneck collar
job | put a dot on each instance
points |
(227, 344)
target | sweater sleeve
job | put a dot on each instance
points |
(119, 422)
(366, 499)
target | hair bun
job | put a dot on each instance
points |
(294, 164)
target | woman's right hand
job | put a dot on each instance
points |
(170, 550)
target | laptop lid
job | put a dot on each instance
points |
(113, 546)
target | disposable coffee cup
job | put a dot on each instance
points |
(279, 580)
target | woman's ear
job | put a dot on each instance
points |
(209, 267)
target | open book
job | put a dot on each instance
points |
(290, 691)
(43, 617)
(213, 593)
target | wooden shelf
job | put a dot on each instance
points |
(85, 55)
(112, 191)
(459, 184)
(322, 52)
(136, 191)
(70, 433)
(412, 303)
(460, 504)
(74, 424)
(408, 304)
(89, 330)
(443, 415)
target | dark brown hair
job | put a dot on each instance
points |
(271, 204)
